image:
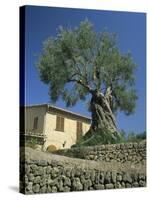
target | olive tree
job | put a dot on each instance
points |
(81, 62)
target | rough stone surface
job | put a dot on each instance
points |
(127, 178)
(77, 186)
(109, 186)
(99, 187)
(49, 173)
(128, 152)
(36, 188)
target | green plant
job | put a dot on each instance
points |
(101, 136)
(31, 142)
(133, 137)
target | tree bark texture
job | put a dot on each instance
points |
(102, 115)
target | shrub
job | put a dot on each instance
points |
(32, 143)
(132, 137)
(99, 137)
(51, 148)
(105, 137)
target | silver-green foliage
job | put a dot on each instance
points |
(79, 61)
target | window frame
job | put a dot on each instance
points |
(79, 129)
(60, 123)
(35, 123)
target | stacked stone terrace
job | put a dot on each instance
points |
(125, 152)
(42, 172)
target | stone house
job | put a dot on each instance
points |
(55, 127)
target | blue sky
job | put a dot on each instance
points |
(42, 22)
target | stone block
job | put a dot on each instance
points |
(99, 187)
(48, 169)
(109, 186)
(68, 172)
(101, 177)
(66, 181)
(66, 189)
(114, 177)
(60, 186)
(127, 178)
(54, 189)
(36, 188)
(33, 167)
(123, 184)
(142, 183)
(31, 177)
(97, 177)
(108, 177)
(76, 184)
(142, 177)
(29, 186)
(43, 189)
(39, 171)
(135, 184)
(37, 179)
(128, 185)
(87, 184)
(118, 185)
(42, 163)
(49, 189)
(92, 175)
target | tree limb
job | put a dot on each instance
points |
(79, 72)
(81, 83)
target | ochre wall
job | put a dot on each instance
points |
(57, 138)
(47, 126)
(30, 114)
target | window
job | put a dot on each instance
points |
(35, 123)
(60, 123)
(79, 130)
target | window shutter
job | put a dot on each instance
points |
(60, 123)
(79, 130)
(35, 123)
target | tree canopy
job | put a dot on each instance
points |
(77, 62)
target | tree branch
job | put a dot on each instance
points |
(81, 83)
(79, 72)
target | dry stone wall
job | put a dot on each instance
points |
(125, 152)
(48, 173)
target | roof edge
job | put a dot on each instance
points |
(58, 108)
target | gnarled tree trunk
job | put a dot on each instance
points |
(103, 128)
(102, 115)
